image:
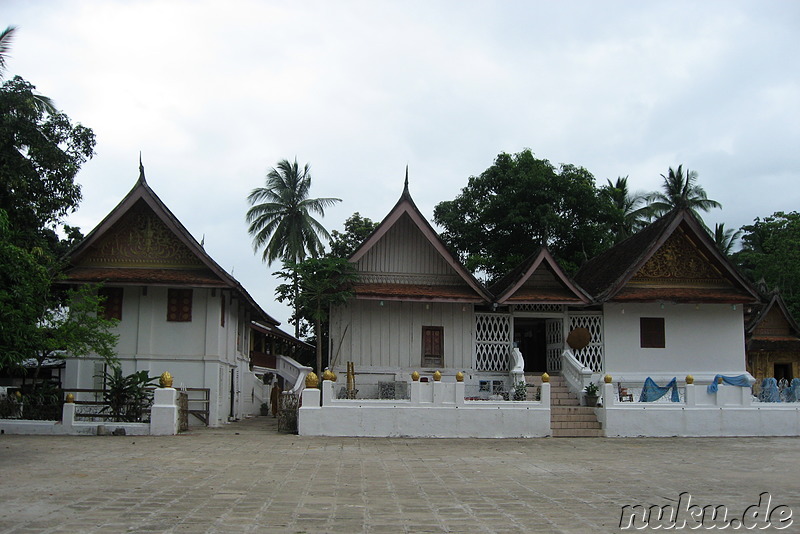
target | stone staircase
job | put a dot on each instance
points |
(568, 419)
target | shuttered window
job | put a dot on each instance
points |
(651, 331)
(432, 346)
(179, 305)
(112, 302)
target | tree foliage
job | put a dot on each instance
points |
(356, 231)
(520, 203)
(630, 212)
(771, 251)
(680, 191)
(40, 155)
(322, 283)
(281, 215)
(725, 238)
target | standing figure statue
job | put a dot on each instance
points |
(517, 370)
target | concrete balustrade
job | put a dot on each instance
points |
(434, 409)
(728, 412)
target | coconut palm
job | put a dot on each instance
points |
(630, 206)
(281, 219)
(6, 36)
(725, 239)
(43, 103)
(280, 216)
(680, 191)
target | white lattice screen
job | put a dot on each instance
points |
(492, 341)
(592, 355)
(555, 344)
(544, 308)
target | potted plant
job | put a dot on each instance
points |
(590, 392)
(264, 408)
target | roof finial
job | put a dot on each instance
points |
(405, 187)
(141, 169)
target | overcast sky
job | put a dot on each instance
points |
(215, 93)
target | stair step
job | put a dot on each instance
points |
(582, 410)
(574, 417)
(577, 433)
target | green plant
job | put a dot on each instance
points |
(591, 389)
(127, 397)
(520, 391)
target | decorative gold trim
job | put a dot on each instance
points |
(312, 380)
(165, 381)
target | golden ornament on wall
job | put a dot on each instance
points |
(70, 398)
(165, 380)
(312, 380)
(689, 379)
(459, 376)
(327, 374)
(415, 376)
(437, 376)
(545, 377)
(608, 379)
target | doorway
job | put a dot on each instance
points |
(530, 336)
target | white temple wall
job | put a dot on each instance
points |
(702, 340)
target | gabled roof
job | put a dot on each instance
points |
(513, 287)
(405, 206)
(775, 302)
(204, 273)
(608, 276)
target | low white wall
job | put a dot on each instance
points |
(435, 409)
(729, 412)
(163, 421)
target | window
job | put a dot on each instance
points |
(179, 305)
(112, 302)
(432, 346)
(651, 330)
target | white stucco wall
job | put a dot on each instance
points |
(702, 340)
(198, 354)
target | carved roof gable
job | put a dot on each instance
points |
(140, 239)
(679, 262)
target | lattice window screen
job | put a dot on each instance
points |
(544, 308)
(592, 355)
(492, 341)
(555, 344)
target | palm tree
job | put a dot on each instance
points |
(6, 36)
(281, 220)
(43, 103)
(725, 239)
(680, 191)
(630, 207)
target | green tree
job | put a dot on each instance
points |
(771, 251)
(76, 328)
(323, 282)
(630, 210)
(725, 239)
(24, 286)
(40, 155)
(680, 191)
(356, 231)
(281, 218)
(6, 37)
(520, 203)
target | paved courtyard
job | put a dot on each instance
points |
(247, 478)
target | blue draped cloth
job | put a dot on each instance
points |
(792, 393)
(652, 391)
(769, 391)
(738, 380)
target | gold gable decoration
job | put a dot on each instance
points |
(141, 239)
(679, 262)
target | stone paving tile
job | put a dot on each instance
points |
(247, 478)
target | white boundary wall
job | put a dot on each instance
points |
(163, 421)
(729, 412)
(435, 409)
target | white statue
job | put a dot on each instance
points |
(517, 370)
